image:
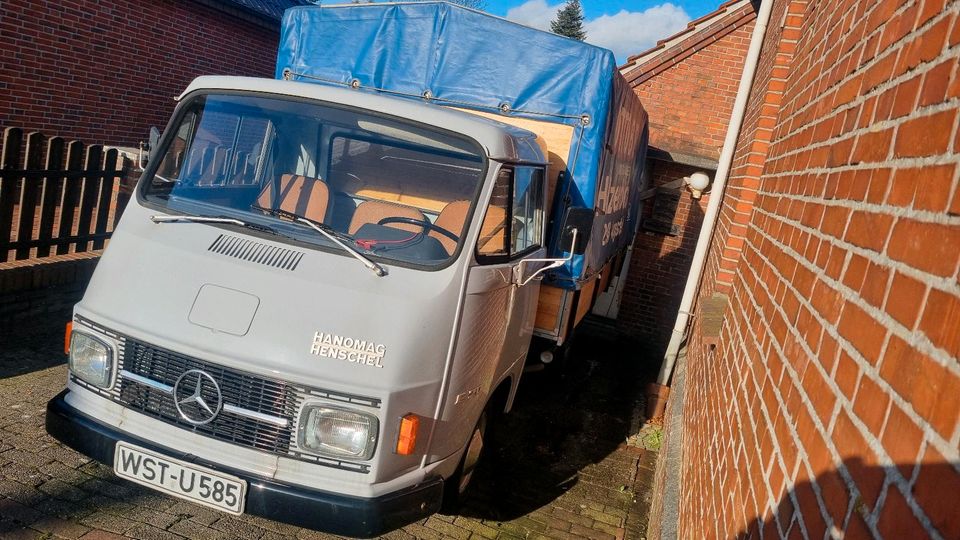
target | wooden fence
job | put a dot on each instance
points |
(56, 197)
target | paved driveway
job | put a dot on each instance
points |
(556, 468)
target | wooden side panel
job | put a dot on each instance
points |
(554, 140)
(586, 300)
(605, 276)
(549, 308)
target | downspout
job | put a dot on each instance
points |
(719, 184)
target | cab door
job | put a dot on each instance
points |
(512, 231)
(498, 312)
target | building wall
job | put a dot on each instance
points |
(689, 106)
(43, 287)
(832, 400)
(105, 71)
(690, 103)
(659, 265)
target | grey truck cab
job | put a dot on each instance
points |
(326, 285)
(306, 311)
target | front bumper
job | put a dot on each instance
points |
(296, 505)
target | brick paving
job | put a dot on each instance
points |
(557, 467)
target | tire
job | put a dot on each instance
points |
(457, 488)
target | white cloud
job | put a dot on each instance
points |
(534, 13)
(631, 32)
(625, 33)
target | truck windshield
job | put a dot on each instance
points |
(399, 190)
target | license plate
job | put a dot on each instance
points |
(187, 481)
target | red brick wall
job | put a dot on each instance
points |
(751, 151)
(38, 287)
(689, 105)
(106, 70)
(832, 402)
(659, 265)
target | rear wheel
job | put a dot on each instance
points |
(457, 487)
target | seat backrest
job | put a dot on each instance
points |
(451, 218)
(493, 237)
(308, 197)
(373, 211)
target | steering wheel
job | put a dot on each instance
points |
(420, 223)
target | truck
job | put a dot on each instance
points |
(327, 284)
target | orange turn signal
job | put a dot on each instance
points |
(66, 338)
(408, 434)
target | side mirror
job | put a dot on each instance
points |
(154, 141)
(151, 147)
(581, 219)
(577, 226)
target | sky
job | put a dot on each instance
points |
(626, 27)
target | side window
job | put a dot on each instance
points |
(494, 230)
(513, 222)
(527, 230)
(216, 148)
(247, 150)
(211, 147)
(169, 169)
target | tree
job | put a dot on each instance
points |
(569, 21)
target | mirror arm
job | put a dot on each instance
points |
(140, 157)
(554, 263)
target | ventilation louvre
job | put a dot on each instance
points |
(249, 250)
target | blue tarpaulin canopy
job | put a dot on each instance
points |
(469, 59)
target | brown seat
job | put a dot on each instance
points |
(451, 218)
(308, 197)
(373, 211)
(493, 233)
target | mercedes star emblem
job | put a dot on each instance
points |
(188, 396)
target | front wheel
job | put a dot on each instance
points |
(457, 486)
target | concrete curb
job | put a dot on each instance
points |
(666, 501)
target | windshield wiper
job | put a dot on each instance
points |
(332, 234)
(186, 218)
(166, 180)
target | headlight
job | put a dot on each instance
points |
(338, 433)
(91, 360)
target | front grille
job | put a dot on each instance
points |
(274, 398)
(244, 390)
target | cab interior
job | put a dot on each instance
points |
(357, 176)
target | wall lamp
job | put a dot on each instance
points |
(698, 182)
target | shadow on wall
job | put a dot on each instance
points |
(927, 503)
(660, 263)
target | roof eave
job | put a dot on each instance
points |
(243, 13)
(730, 9)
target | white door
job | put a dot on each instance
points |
(499, 312)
